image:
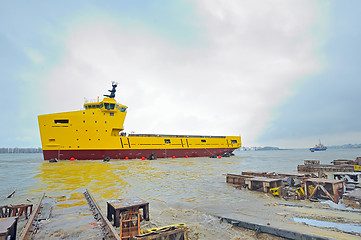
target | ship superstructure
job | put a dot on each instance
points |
(319, 147)
(97, 133)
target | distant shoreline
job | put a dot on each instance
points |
(20, 150)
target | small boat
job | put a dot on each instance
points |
(318, 147)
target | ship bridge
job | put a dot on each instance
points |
(107, 105)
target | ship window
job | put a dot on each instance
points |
(84, 121)
(111, 114)
(105, 121)
(167, 140)
(101, 105)
(233, 141)
(95, 121)
(93, 106)
(61, 121)
(106, 106)
(122, 109)
(86, 107)
(51, 140)
(203, 140)
(98, 106)
(112, 105)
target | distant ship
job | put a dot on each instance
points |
(97, 133)
(318, 147)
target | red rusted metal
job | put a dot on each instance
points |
(262, 183)
(116, 207)
(8, 228)
(332, 188)
(129, 223)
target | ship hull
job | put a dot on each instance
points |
(132, 153)
(318, 149)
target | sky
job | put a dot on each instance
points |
(278, 73)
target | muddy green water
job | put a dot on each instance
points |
(190, 190)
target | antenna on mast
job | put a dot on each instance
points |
(112, 92)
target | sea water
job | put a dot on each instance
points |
(191, 190)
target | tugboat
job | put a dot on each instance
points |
(318, 147)
(97, 132)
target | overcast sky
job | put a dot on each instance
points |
(278, 73)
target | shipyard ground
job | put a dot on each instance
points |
(191, 191)
(70, 218)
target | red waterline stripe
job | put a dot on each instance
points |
(132, 153)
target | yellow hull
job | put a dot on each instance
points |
(96, 133)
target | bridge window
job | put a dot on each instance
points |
(122, 109)
(109, 106)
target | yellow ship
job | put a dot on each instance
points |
(97, 133)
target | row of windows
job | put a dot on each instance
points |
(95, 130)
(94, 106)
(108, 106)
(202, 140)
(95, 121)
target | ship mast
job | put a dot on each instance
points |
(112, 92)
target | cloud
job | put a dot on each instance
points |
(243, 60)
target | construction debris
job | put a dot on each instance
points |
(263, 183)
(289, 186)
(324, 188)
(116, 207)
(353, 198)
(16, 210)
(178, 231)
(340, 165)
(8, 228)
(11, 194)
(311, 182)
(261, 228)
